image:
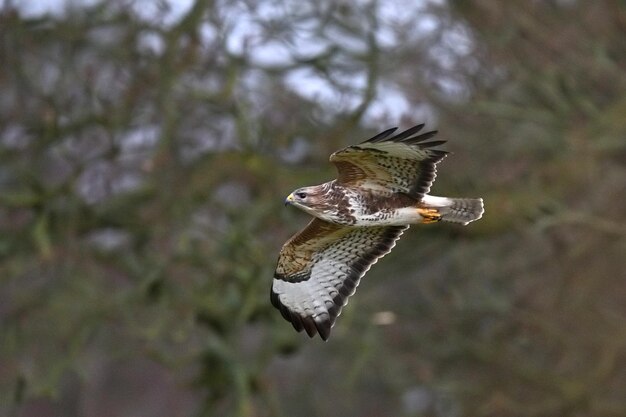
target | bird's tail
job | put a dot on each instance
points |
(456, 210)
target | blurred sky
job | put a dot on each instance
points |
(246, 31)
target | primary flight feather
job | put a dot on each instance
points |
(381, 188)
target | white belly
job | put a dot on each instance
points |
(397, 217)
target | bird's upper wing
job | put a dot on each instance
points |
(403, 163)
(320, 267)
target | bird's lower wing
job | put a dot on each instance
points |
(321, 266)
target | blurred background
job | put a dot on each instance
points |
(146, 148)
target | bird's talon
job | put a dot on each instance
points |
(429, 215)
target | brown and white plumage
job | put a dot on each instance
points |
(404, 163)
(380, 190)
(321, 266)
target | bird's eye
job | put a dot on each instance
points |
(301, 195)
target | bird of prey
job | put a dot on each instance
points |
(381, 188)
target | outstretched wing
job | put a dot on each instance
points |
(403, 163)
(321, 266)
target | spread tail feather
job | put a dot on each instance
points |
(456, 210)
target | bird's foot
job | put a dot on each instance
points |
(429, 215)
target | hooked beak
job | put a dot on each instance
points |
(289, 199)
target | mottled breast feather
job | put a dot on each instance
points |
(405, 163)
(321, 266)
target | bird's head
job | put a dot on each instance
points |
(309, 199)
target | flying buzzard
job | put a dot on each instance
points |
(382, 187)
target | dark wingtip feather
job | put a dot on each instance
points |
(407, 133)
(309, 325)
(323, 328)
(274, 299)
(437, 155)
(432, 144)
(408, 136)
(285, 312)
(424, 136)
(295, 321)
(382, 135)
